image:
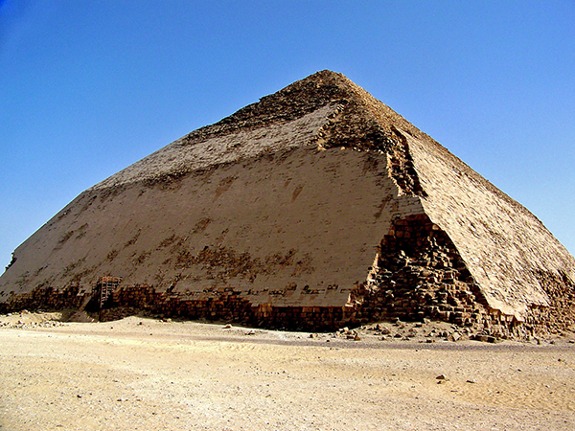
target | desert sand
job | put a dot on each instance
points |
(145, 374)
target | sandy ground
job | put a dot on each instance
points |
(142, 374)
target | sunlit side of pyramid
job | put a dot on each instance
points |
(314, 208)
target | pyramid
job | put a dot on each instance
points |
(314, 208)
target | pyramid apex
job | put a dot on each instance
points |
(326, 79)
(327, 74)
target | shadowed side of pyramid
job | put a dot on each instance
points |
(314, 208)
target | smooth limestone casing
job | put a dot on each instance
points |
(501, 242)
(329, 208)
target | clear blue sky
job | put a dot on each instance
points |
(88, 87)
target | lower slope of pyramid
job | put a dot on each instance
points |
(275, 225)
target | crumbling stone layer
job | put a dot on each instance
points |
(418, 274)
(224, 306)
(444, 292)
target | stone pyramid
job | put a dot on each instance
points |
(314, 208)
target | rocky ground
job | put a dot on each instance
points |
(142, 374)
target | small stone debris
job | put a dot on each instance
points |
(441, 377)
(484, 338)
(348, 334)
(456, 336)
(228, 326)
(470, 381)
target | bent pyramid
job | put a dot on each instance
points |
(314, 208)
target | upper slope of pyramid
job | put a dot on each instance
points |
(299, 99)
(355, 119)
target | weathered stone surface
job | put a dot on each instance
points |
(315, 208)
